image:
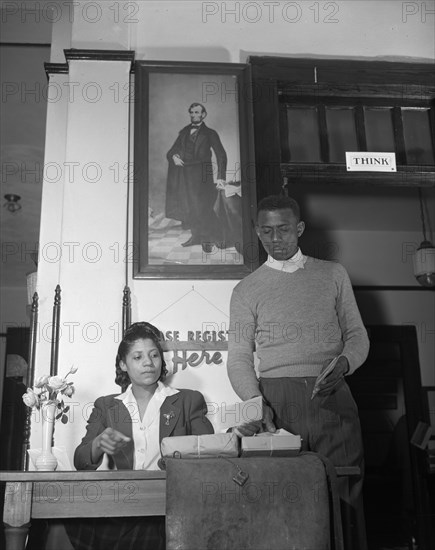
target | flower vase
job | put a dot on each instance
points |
(46, 461)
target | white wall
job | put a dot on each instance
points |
(228, 31)
(96, 212)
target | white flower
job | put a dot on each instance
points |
(56, 383)
(73, 370)
(47, 389)
(30, 398)
(41, 381)
(69, 390)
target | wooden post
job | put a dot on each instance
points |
(55, 333)
(30, 376)
(126, 309)
(16, 514)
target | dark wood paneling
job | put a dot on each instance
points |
(280, 80)
(387, 390)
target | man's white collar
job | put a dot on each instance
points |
(297, 261)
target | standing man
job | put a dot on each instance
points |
(299, 313)
(191, 191)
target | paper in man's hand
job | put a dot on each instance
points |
(323, 375)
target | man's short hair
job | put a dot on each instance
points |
(197, 105)
(279, 202)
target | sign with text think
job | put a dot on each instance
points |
(371, 162)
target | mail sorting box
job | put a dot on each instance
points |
(252, 504)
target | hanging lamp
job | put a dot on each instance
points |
(12, 203)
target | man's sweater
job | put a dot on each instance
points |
(295, 321)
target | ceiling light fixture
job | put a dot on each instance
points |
(424, 257)
(12, 205)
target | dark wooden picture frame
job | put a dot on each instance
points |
(215, 180)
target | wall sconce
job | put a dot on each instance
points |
(424, 257)
(12, 205)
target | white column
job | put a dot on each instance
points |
(85, 214)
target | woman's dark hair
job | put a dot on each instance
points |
(135, 332)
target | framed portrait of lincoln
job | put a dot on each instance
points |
(194, 171)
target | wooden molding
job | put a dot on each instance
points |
(100, 55)
(55, 68)
(89, 55)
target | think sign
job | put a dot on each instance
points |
(370, 162)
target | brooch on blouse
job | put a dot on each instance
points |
(168, 417)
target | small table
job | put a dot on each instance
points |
(54, 495)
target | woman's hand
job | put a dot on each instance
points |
(110, 441)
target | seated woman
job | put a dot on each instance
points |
(129, 428)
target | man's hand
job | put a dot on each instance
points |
(334, 377)
(109, 441)
(267, 421)
(177, 160)
(264, 425)
(220, 184)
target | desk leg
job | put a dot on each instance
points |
(16, 514)
(16, 537)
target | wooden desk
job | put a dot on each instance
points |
(55, 495)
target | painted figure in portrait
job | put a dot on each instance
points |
(191, 191)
